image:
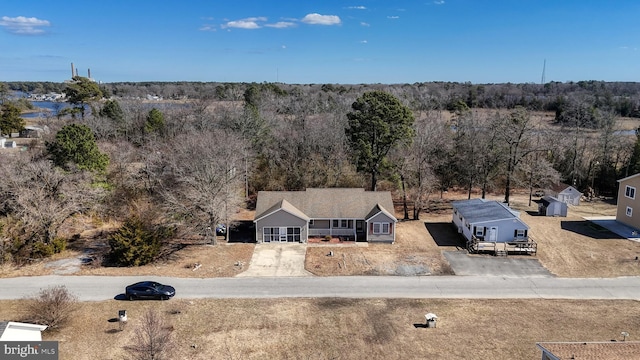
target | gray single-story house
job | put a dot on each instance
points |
(550, 206)
(565, 193)
(353, 214)
(488, 221)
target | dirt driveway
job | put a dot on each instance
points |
(274, 259)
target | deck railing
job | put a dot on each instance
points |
(332, 232)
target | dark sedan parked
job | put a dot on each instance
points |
(149, 290)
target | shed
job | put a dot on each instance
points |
(17, 331)
(566, 193)
(550, 206)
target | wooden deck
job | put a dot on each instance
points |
(528, 247)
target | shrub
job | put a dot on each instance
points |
(52, 306)
(137, 243)
(59, 245)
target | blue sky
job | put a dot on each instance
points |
(321, 41)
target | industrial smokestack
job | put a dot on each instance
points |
(72, 70)
(89, 73)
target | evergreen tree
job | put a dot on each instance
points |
(112, 110)
(155, 122)
(137, 243)
(10, 120)
(82, 91)
(378, 123)
(76, 144)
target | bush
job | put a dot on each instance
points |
(52, 306)
(137, 243)
(41, 249)
(59, 245)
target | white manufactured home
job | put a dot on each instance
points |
(491, 226)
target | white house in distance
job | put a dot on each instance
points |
(488, 225)
(17, 331)
(565, 193)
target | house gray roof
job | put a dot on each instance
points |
(332, 203)
(481, 210)
(3, 327)
(546, 200)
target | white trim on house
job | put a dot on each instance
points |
(630, 192)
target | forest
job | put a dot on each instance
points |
(177, 167)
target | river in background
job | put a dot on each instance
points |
(45, 108)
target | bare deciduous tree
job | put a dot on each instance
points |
(201, 180)
(43, 196)
(152, 339)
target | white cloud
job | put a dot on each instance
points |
(207, 28)
(317, 19)
(393, 17)
(281, 25)
(364, 42)
(439, 2)
(24, 25)
(359, 7)
(248, 23)
(364, 24)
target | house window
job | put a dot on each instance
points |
(480, 231)
(293, 234)
(521, 233)
(629, 211)
(630, 192)
(273, 234)
(343, 224)
(381, 228)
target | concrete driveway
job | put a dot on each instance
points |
(487, 265)
(275, 259)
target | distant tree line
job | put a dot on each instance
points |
(623, 98)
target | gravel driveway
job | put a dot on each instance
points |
(487, 265)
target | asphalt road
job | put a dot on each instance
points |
(96, 288)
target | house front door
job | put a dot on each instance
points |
(493, 233)
(283, 234)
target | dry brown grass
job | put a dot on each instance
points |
(567, 247)
(346, 328)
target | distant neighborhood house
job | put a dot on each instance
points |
(565, 193)
(628, 205)
(345, 213)
(488, 225)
